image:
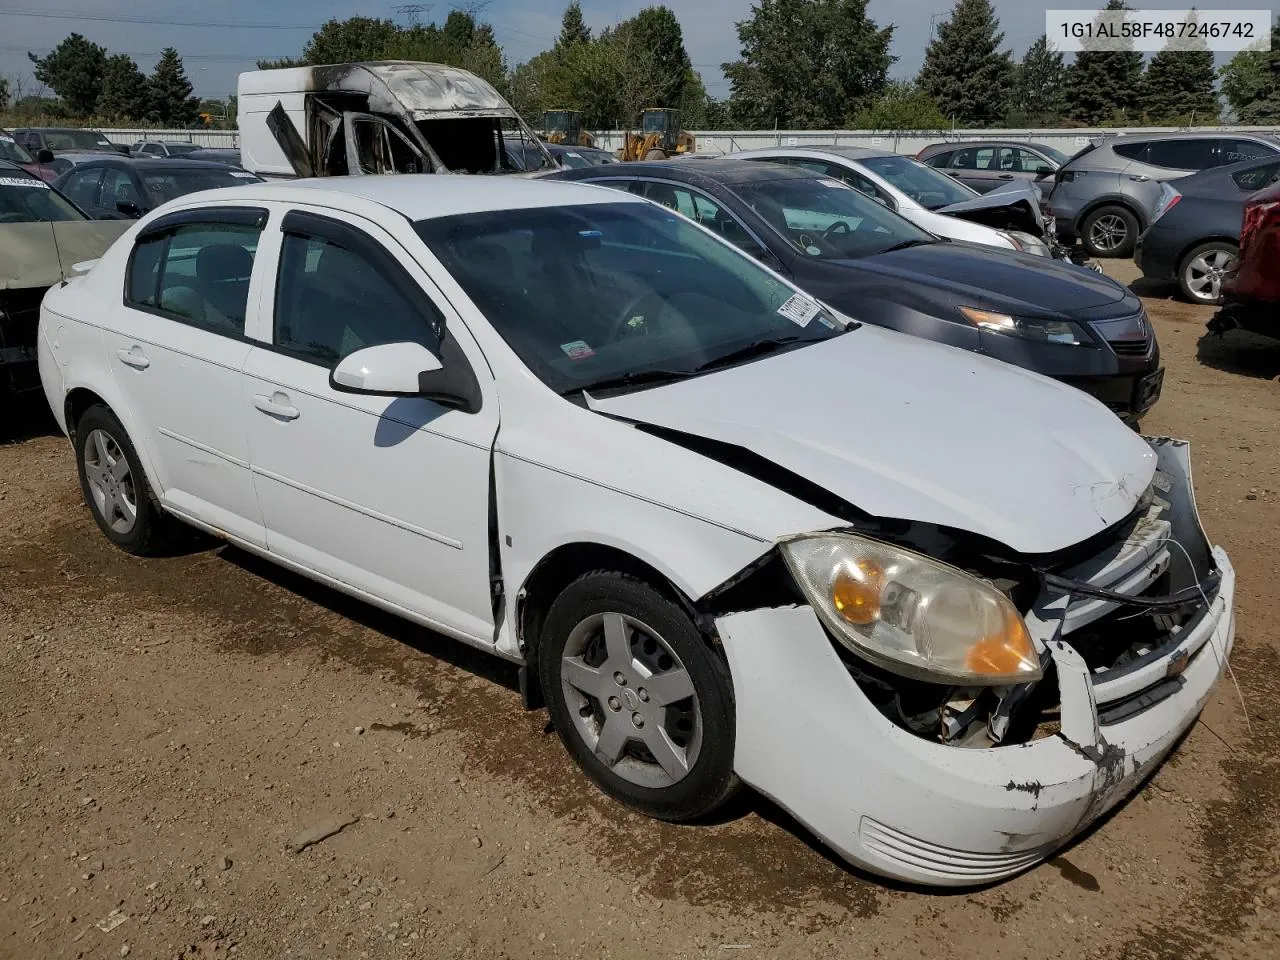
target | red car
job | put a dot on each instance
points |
(15, 152)
(1252, 290)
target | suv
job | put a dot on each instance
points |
(1107, 193)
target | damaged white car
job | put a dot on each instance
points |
(729, 535)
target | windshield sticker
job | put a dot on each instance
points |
(23, 182)
(826, 321)
(243, 176)
(577, 350)
(834, 183)
(570, 153)
(799, 310)
(6, 138)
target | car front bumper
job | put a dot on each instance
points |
(926, 812)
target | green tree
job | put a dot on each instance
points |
(349, 41)
(36, 107)
(656, 32)
(169, 92)
(903, 106)
(73, 70)
(1251, 83)
(1105, 84)
(1038, 87)
(807, 63)
(573, 29)
(124, 90)
(283, 63)
(965, 72)
(1178, 87)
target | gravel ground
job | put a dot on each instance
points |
(171, 729)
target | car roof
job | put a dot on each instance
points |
(149, 163)
(726, 170)
(831, 149)
(427, 196)
(964, 144)
(1113, 139)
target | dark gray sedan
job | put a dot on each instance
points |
(1194, 236)
(987, 164)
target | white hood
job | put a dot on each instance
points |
(905, 428)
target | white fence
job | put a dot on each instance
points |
(727, 141)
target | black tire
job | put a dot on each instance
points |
(1116, 231)
(710, 780)
(655, 154)
(150, 528)
(1189, 279)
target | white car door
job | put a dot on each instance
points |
(389, 495)
(176, 344)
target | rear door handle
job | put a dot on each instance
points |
(133, 357)
(1138, 178)
(1005, 176)
(276, 405)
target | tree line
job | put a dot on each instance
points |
(803, 64)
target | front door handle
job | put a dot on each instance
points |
(277, 405)
(133, 357)
(1138, 178)
(1006, 176)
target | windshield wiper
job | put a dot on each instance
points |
(904, 244)
(757, 348)
(639, 378)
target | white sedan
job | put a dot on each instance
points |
(728, 534)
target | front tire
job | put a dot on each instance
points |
(656, 154)
(1109, 231)
(640, 700)
(1202, 270)
(114, 485)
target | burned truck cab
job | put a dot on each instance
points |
(354, 119)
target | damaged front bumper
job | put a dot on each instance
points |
(916, 809)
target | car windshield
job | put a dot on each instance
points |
(829, 220)
(1057, 156)
(10, 149)
(602, 294)
(175, 149)
(584, 158)
(164, 185)
(75, 140)
(28, 200)
(922, 183)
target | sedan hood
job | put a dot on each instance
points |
(1018, 201)
(906, 428)
(1010, 282)
(41, 254)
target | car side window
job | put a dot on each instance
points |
(1132, 151)
(333, 298)
(697, 206)
(1182, 154)
(1017, 160)
(197, 273)
(118, 188)
(940, 159)
(1250, 181)
(974, 158)
(82, 187)
(1233, 151)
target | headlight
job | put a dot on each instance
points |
(910, 614)
(1026, 242)
(1047, 331)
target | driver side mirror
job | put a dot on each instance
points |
(1043, 170)
(406, 369)
(44, 155)
(129, 209)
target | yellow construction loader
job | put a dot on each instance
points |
(660, 137)
(565, 126)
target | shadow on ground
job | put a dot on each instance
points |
(1242, 352)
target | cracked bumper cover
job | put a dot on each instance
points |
(926, 812)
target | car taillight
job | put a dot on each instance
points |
(1169, 197)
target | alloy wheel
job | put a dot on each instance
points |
(632, 699)
(110, 481)
(1108, 232)
(1204, 274)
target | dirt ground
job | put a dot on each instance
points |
(169, 726)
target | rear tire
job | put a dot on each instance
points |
(640, 700)
(1201, 271)
(114, 485)
(1109, 231)
(656, 154)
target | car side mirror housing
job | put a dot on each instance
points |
(129, 209)
(44, 155)
(407, 369)
(1044, 170)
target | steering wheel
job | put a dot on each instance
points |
(622, 327)
(838, 227)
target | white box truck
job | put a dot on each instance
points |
(390, 116)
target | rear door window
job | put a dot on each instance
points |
(1130, 151)
(940, 159)
(1191, 154)
(974, 158)
(1253, 180)
(82, 187)
(1233, 151)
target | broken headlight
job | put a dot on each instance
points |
(911, 614)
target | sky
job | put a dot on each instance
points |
(221, 39)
